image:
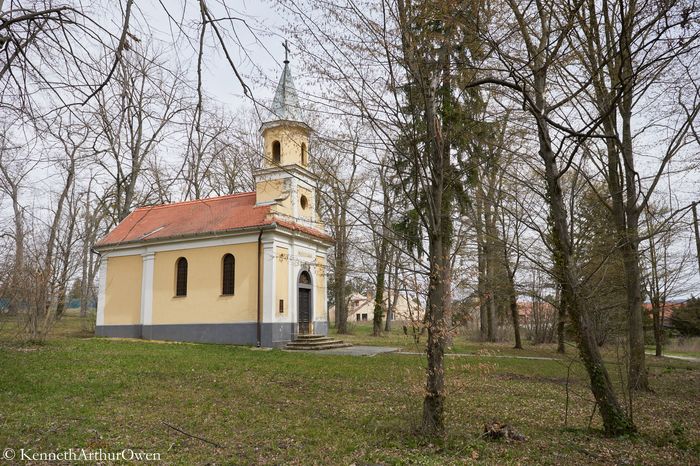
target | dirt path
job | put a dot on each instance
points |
(682, 358)
(474, 355)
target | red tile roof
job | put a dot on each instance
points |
(197, 218)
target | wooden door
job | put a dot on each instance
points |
(304, 310)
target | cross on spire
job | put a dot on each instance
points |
(285, 105)
(286, 51)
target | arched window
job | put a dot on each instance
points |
(228, 264)
(304, 202)
(305, 278)
(276, 152)
(181, 277)
(304, 156)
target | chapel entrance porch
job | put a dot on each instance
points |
(305, 339)
(315, 342)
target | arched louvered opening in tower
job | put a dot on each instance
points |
(276, 152)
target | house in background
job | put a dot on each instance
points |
(361, 308)
(665, 311)
(246, 268)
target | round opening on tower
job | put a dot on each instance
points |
(304, 202)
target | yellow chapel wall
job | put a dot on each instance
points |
(308, 212)
(123, 290)
(267, 191)
(291, 139)
(320, 289)
(204, 302)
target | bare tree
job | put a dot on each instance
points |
(542, 30)
(47, 270)
(48, 49)
(92, 217)
(338, 185)
(696, 230)
(14, 169)
(133, 116)
(667, 266)
(380, 226)
(622, 47)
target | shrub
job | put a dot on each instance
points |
(686, 318)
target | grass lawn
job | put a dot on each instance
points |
(692, 354)
(361, 334)
(273, 407)
(688, 346)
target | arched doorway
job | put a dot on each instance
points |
(304, 305)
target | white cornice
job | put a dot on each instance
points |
(285, 171)
(248, 235)
(276, 123)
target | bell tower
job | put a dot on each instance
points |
(284, 180)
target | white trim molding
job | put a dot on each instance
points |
(268, 285)
(181, 243)
(147, 288)
(102, 291)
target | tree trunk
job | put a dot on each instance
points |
(656, 312)
(655, 291)
(341, 310)
(433, 404)
(637, 369)
(615, 420)
(491, 317)
(696, 228)
(393, 299)
(382, 259)
(379, 300)
(483, 306)
(84, 273)
(515, 316)
(17, 279)
(561, 325)
(438, 313)
(481, 259)
(638, 378)
(491, 264)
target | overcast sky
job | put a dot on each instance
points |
(259, 55)
(258, 52)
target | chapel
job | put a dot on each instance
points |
(245, 268)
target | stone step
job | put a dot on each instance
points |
(311, 336)
(313, 340)
(315, 347)
(325, 341)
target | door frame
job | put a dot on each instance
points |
(310, 287)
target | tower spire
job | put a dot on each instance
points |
(285, 105)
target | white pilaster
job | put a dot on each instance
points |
(268, 285)
(312, 205)
(325, 287)
(147, 289)
(292, 285)
(276, 315)
(102, 291)
(295, 198)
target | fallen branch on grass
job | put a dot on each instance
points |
(494, 430)
(193, 436)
